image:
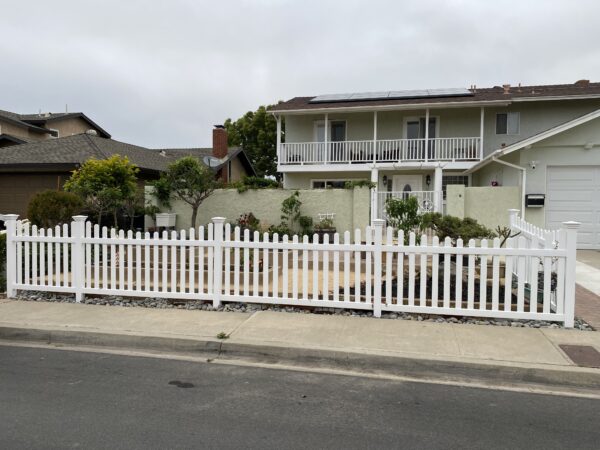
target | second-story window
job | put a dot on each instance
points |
(507, 123)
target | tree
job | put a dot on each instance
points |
(50, 208)
(256, 133)
(104, 184)
(188, 180)
(403, 214)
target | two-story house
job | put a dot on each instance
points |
(540, 138)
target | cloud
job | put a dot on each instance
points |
(161, 74)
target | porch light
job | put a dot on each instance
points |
(428, 180)
(385, 180)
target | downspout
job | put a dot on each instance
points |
(524, 179)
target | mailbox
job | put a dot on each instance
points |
(535, 200)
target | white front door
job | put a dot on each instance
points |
(407, 183)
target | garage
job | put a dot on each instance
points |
(573, 193)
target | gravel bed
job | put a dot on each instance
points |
(163, 303)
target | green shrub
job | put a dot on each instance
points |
(306, 225)
(50, 208)
(325, 224)
(454, 227)
(403, 214)
(248, 221)
(255, 183)
(359, 183)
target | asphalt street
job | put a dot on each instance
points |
(66, 399)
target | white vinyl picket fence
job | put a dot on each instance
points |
(373, 270)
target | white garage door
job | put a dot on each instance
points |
(573, 193)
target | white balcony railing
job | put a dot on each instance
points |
(390, 150)
(428, 200)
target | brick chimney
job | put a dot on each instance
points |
(219, 147)
(582, 83)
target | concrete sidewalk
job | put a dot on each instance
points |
(420, 349)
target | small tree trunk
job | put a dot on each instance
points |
(194, 214)
(115, 218)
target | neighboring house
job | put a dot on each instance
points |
(544, 139)
(28, 168)
(24, 128)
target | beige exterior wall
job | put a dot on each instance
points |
(564, 149)
(69, 126)
(488, 205)
(351, 207)
(237, 170)
(26, 133)
(16, 189)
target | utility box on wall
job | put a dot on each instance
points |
(535, 200)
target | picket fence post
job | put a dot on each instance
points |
(10, 221)
(78, 256)
(571, 246)
(217, 260)
(512, 218)
(378, 225)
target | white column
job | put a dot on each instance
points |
(279, 140)
(437, 188)
(326, 137)
(10, 221)
(374, 194)
(78, 255)
(426, 134)
(481, 127)
(374, 136)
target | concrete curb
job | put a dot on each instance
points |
(499, 374)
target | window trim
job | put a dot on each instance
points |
(407, 119)
(507, 113)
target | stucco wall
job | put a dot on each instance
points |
(565, 149)
(69, 126)
(488, 205)
(351, 207)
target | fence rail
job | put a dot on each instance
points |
(373, 270)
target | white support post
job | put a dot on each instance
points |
(374, 137)
(378, 225)
(512, 217)
(326, 137)
(571, 247)
(78, 256)
(374, 195)
(437, 188)
(217, 260)
(10, 221)
(426, 134)
(481, 127)
(279, 140)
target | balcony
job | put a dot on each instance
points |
(381, 151)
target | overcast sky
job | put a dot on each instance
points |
(161, 73)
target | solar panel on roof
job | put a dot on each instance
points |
(369, 95)
(392, 95)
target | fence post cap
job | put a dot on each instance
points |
(571, 225)
(79, 218)
(513, 211)
(218, 219)
(378, 222)
(7, 217)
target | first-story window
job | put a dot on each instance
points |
(507, 123)
(453, 179)
(329, 184)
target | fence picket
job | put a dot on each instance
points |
(325, 271)
(165, 261)
(521, 277)
(26, 232)
(336, 269)
(285, 268)
(458, 296)
(246, 263)
(275, 277)
(411, 270)
(389, 260)
(368, 266)
(400, 270)
(265, 267)
(146, 263)
(495, 276)
(43, 279)
(305, 256)
(236, 262)
(423, 274)
(182, 262)
(508, 270)
(357, 266)
(255, 254)
(471, 278)
(227, 261)
(447, 273)
(547, 265)
(435, 242)
(315, 269)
